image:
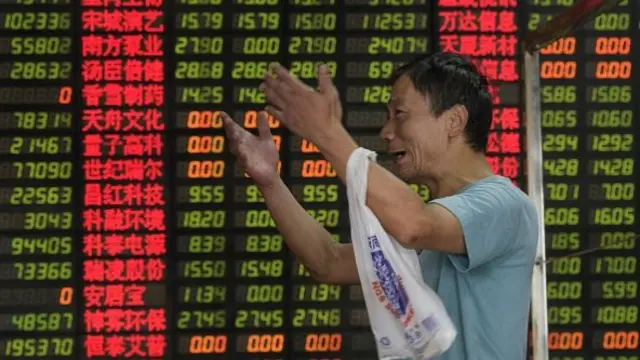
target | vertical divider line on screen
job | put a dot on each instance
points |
(78, 177)
(285, 171)
(171, 186)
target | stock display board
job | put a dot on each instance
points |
(126, 230)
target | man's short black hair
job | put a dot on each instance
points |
(449, 79)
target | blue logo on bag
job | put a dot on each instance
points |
(389, 283)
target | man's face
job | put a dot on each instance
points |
(414, 135)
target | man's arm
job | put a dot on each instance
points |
(399, 209)
(327, 261)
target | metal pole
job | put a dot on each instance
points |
(535, 188)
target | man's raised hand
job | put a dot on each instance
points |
(256, 155)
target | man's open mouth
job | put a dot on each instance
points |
(398, 155)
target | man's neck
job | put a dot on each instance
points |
(460, 173)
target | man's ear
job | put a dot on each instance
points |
(457, 117)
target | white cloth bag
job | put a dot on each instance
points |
(407, 317)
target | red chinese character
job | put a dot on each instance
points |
(134, 245)
(92, 194)
(132, 45)
(92, 45)
(153, 3)
(467, 21)
(155, 244)
(154, 70)
(510, 167)
(154, 219)
(133, 21)
(92, 145)
(153, 21)
(134, 95)
(135, 346)
(91, 71)
(113, 94)
(92, 93)
(487, 45)
(114, 295)
(115, 270)
(157, 320)
(93, 270)
(115, 346)
(94, 346)
(113, 70)
(510, 118)
(113, 3)
(132, 195)
(92, 245)
(510, 143)
(449, 43)
(155, 270)
(488, 21)
(92, 219)
(489, 68)
(114, 319)
(92, 119)
(493, 143)
(152, 45)
(133, 145)
(113, 120)
(154, 94)
(447, 3)
(447, 21)
(111, 195)
(114, 244)
(93, 295)
(153, 120)
(506, 45)
(153, 169)
(134, 295)
(508, 70)
(133, 71)
(92, 20)
(469, 45)
(113, 46)
(507, 21)
(113, 21)
(156, 345)
(114, 220)
(134, 270)
(94, 321)
(134, 320)
(153, 195)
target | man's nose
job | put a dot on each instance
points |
(387, 133)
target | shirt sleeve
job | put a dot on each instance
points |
(489, 215)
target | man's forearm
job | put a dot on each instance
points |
(306, 238)
(396, 206)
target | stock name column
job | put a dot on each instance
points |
(37, 307)
(611, 275)
(124, 197)
(317, 312)
(378, 35)
(486, 31)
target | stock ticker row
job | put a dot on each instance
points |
(127, 231)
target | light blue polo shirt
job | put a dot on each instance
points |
(487, 291)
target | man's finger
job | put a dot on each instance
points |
(263, 125)
(325, 84)
(231, 128)
(274, 111)
(273, 93)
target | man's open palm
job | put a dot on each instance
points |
(257, 155)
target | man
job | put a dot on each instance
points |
(476, 240)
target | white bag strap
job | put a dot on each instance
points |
(358, 172)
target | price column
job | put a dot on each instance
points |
(611, 127)
(488, 34)
(379, 36)
(260, 258)
(37, 307)
(561, 64)
(204, 273)
(317, 315)
(124, 196)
